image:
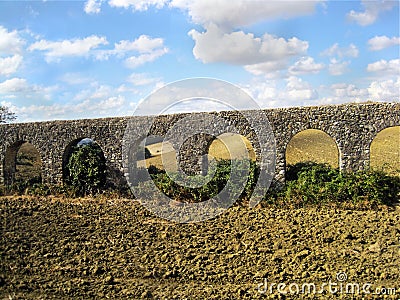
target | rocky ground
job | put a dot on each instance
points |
(53, 248)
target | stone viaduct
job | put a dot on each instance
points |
(352, 126)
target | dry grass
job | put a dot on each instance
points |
(28, 164)
(315, 145)
(312, 145)
(235, 142)
(385, 150)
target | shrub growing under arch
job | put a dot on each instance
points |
(86, 169)
(313, 183)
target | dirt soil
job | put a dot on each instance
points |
(53, 248)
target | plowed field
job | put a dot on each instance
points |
(53, 248)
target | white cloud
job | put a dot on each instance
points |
(379, 90)
(279, 69)
(371, 12)
(95, 101)
(385, 90)
(381, 42)
(19, 86)
(10, 65)
(103, 98)
(265, 92)
(75, 47)
(240, 48)
(10, 42)
(149, 49)
(95, 91)
(335, 50)
(391, 67)
(306, 65)
(75, 78)
(112, 103)
(86, 108)
(136, 61)
(270, 69)
(337, 67)
(346, 91)
(232, 14)
(224, 13)
(266, 55)
(93, 6)
(140, 79)
(143, 44)
(101, 92)
(14, 85)
(139, 5)
(297, 89)
(124, 88)
(292, 91)
(363, 18)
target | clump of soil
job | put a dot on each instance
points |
(54, 248)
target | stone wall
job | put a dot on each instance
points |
(352, 127)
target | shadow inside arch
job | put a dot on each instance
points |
(22, 164)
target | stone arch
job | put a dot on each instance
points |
(385, 150)
(69, 149)
(22, 162)
(312, 145)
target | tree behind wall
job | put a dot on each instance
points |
(6, 115)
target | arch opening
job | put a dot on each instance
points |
(161, 154)
(84, 165)
(161, 161)
(156, 152)
(385, 151)
(312, 145)
(219, 149)
(22, 164)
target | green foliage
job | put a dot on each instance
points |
(307, 184)
(318, 184)
(214, 185)
(86, 169)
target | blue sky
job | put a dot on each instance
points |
(99, 58)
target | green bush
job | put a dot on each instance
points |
(86, 169)
(213, 187)
(311, 183)
(307, 184)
